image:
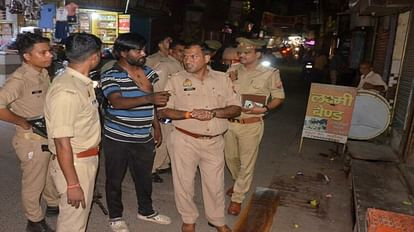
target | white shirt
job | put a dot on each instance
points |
(372, 78)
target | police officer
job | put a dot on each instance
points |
(245, 132)
(163, 44)
(22, 97)
(74, 132)
(165, 69)
(200, 103)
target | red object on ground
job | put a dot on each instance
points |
(386, 221)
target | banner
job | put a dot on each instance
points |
(329, 113)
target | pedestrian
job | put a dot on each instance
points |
(163, 44)
(129, 119)
(200, 103)
(255, 83)
(74, 132)
(22, 97)
(370, 80)
(336, 68)
(165, 69)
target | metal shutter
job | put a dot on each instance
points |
(405, 88)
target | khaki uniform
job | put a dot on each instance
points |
(243, 140)
(156, 58)
(24, 92)
(164, 69)
(71, 110)
(187, 152)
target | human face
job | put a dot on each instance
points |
(230, 58)
(164, 45)
(364, 69)
(40, 56)
(249, 57)
(136, 57)
(194, 60)
(178, 52)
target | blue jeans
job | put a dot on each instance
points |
(139, 158)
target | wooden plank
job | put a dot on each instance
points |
(258, 215)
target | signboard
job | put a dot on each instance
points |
(329, 113)
(124, 23)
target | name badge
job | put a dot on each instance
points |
(189, 89)
(37, 91)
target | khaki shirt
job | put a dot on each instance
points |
(24, 92)
(71, 110)
(188, 93)
(154, 59)
(263, 81)
(165, 69)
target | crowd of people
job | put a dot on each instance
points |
(166, 112)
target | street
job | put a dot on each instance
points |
(299, 177)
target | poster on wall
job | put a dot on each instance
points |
(329, 113)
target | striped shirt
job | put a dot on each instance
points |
(127, 125)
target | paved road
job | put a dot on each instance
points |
(278, 161)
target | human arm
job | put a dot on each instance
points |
(119, 102)
(157, 131)
(275, 87)
(369, 86)
(8, 116)
(10, 92)
(64, 154)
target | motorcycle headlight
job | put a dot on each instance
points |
(265, 63)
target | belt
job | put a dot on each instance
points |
(197, 136)
(30, 136)
(246, 120)
(90, 152)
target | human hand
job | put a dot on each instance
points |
(157, 137)
(159, 98)
(202, 114)
(76, 197)
(254, 110)
(25, 124)
(233, 75)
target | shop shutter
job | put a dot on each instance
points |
(380, 52)
(405, 88)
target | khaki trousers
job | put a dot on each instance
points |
(241, 149)
(188, 153)
(36, 181)
(71, 219)
(162, 159)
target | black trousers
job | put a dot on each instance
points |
(139, 158)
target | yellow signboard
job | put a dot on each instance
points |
(329, 113)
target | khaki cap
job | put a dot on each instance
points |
(213, 44)
(248, 44)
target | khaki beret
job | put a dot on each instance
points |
(213, 44)
(248, 44)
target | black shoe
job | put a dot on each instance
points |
(156, 178)
(163, 171)
(38, 226)
(52, 211)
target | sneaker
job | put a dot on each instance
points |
(156, 218)
(118, 226)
